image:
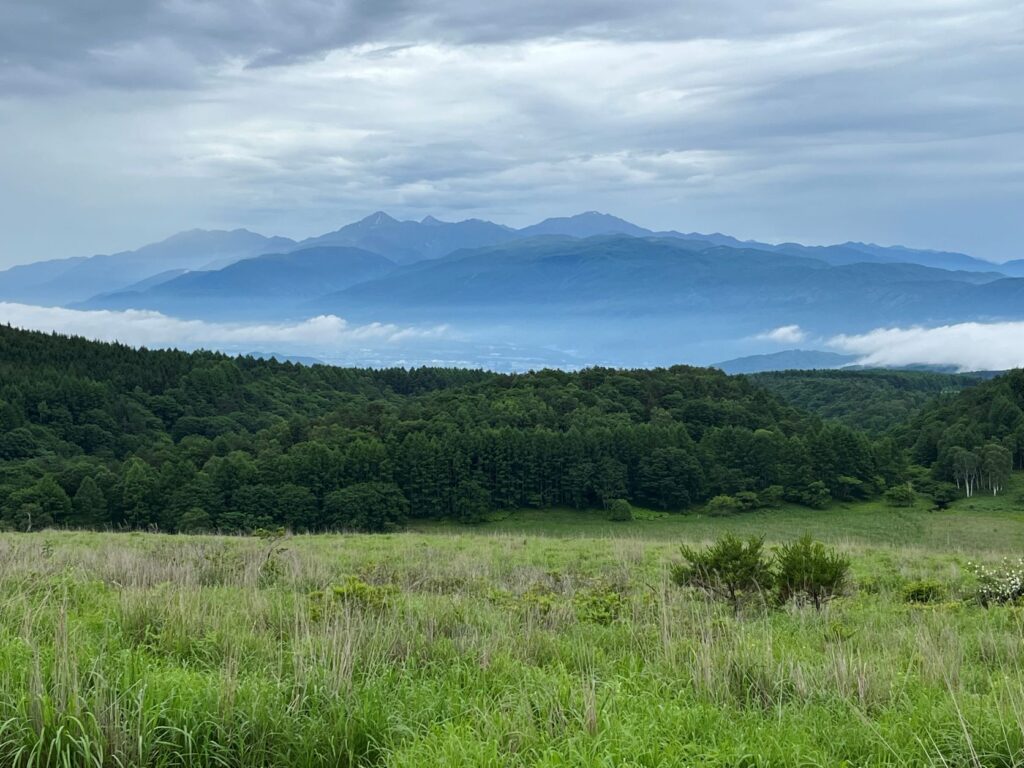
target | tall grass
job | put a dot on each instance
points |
(494, 650)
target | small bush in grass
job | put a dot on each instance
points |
(748, 501)
(599, 605)
(771, 496)
(730, 569)
(354, 592)
(837, 632)
(923, 591)
(815, 495)
(944, 495)
(1001, 584)
(808, 570)
(901, 495)
(620, 511)
(539, 598)
(723, 506)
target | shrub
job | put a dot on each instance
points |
(1002, 584)
(809, 570)
(620, 511)
(923, 591)
(354, 592)
(748, 500)
(539, 598)
(730, 569)
(771, 496)
(599, 605)
(815, 495)
(722, 506)
(944, 495)
(900, 496)
(847, 487)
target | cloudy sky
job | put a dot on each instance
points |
(122, 121)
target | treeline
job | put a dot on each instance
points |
(102, 435)
(973, 440)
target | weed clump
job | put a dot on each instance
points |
(600, 604)
(353, 592)
(923, 591)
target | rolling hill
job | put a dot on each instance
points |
(282, 279)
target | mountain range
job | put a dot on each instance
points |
(63, 281)
(592, 286)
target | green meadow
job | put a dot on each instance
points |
(542, 639)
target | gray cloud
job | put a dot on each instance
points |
(854, 119)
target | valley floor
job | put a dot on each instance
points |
(517, 643)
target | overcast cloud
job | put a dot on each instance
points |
(122, 121)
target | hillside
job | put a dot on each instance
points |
(244, 288)
(99, 434)
(786, 360)
(873, 400)
(962, 435)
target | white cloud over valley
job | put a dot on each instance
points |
(323, 334)
(967, 346)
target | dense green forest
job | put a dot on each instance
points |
(974, 439)
(102, 435)
(874, 400)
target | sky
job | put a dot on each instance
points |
(124, 121)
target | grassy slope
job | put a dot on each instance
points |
(159, 650)
(980, 524)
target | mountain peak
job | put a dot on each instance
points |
(378, 219)
(430, 221)
(586, 224)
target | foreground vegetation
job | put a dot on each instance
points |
(580, 620)
(504, 649)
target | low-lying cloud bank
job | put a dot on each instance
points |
(324, 333)
(968, 346)
(784, 334)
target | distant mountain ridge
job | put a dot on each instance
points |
(786, 360)
(64, 281)
(77, 279)
(590, 287)
(407, 241)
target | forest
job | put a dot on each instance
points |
(97, 435)
(874, 400)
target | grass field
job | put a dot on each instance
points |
(983, 524)
(545, 639)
